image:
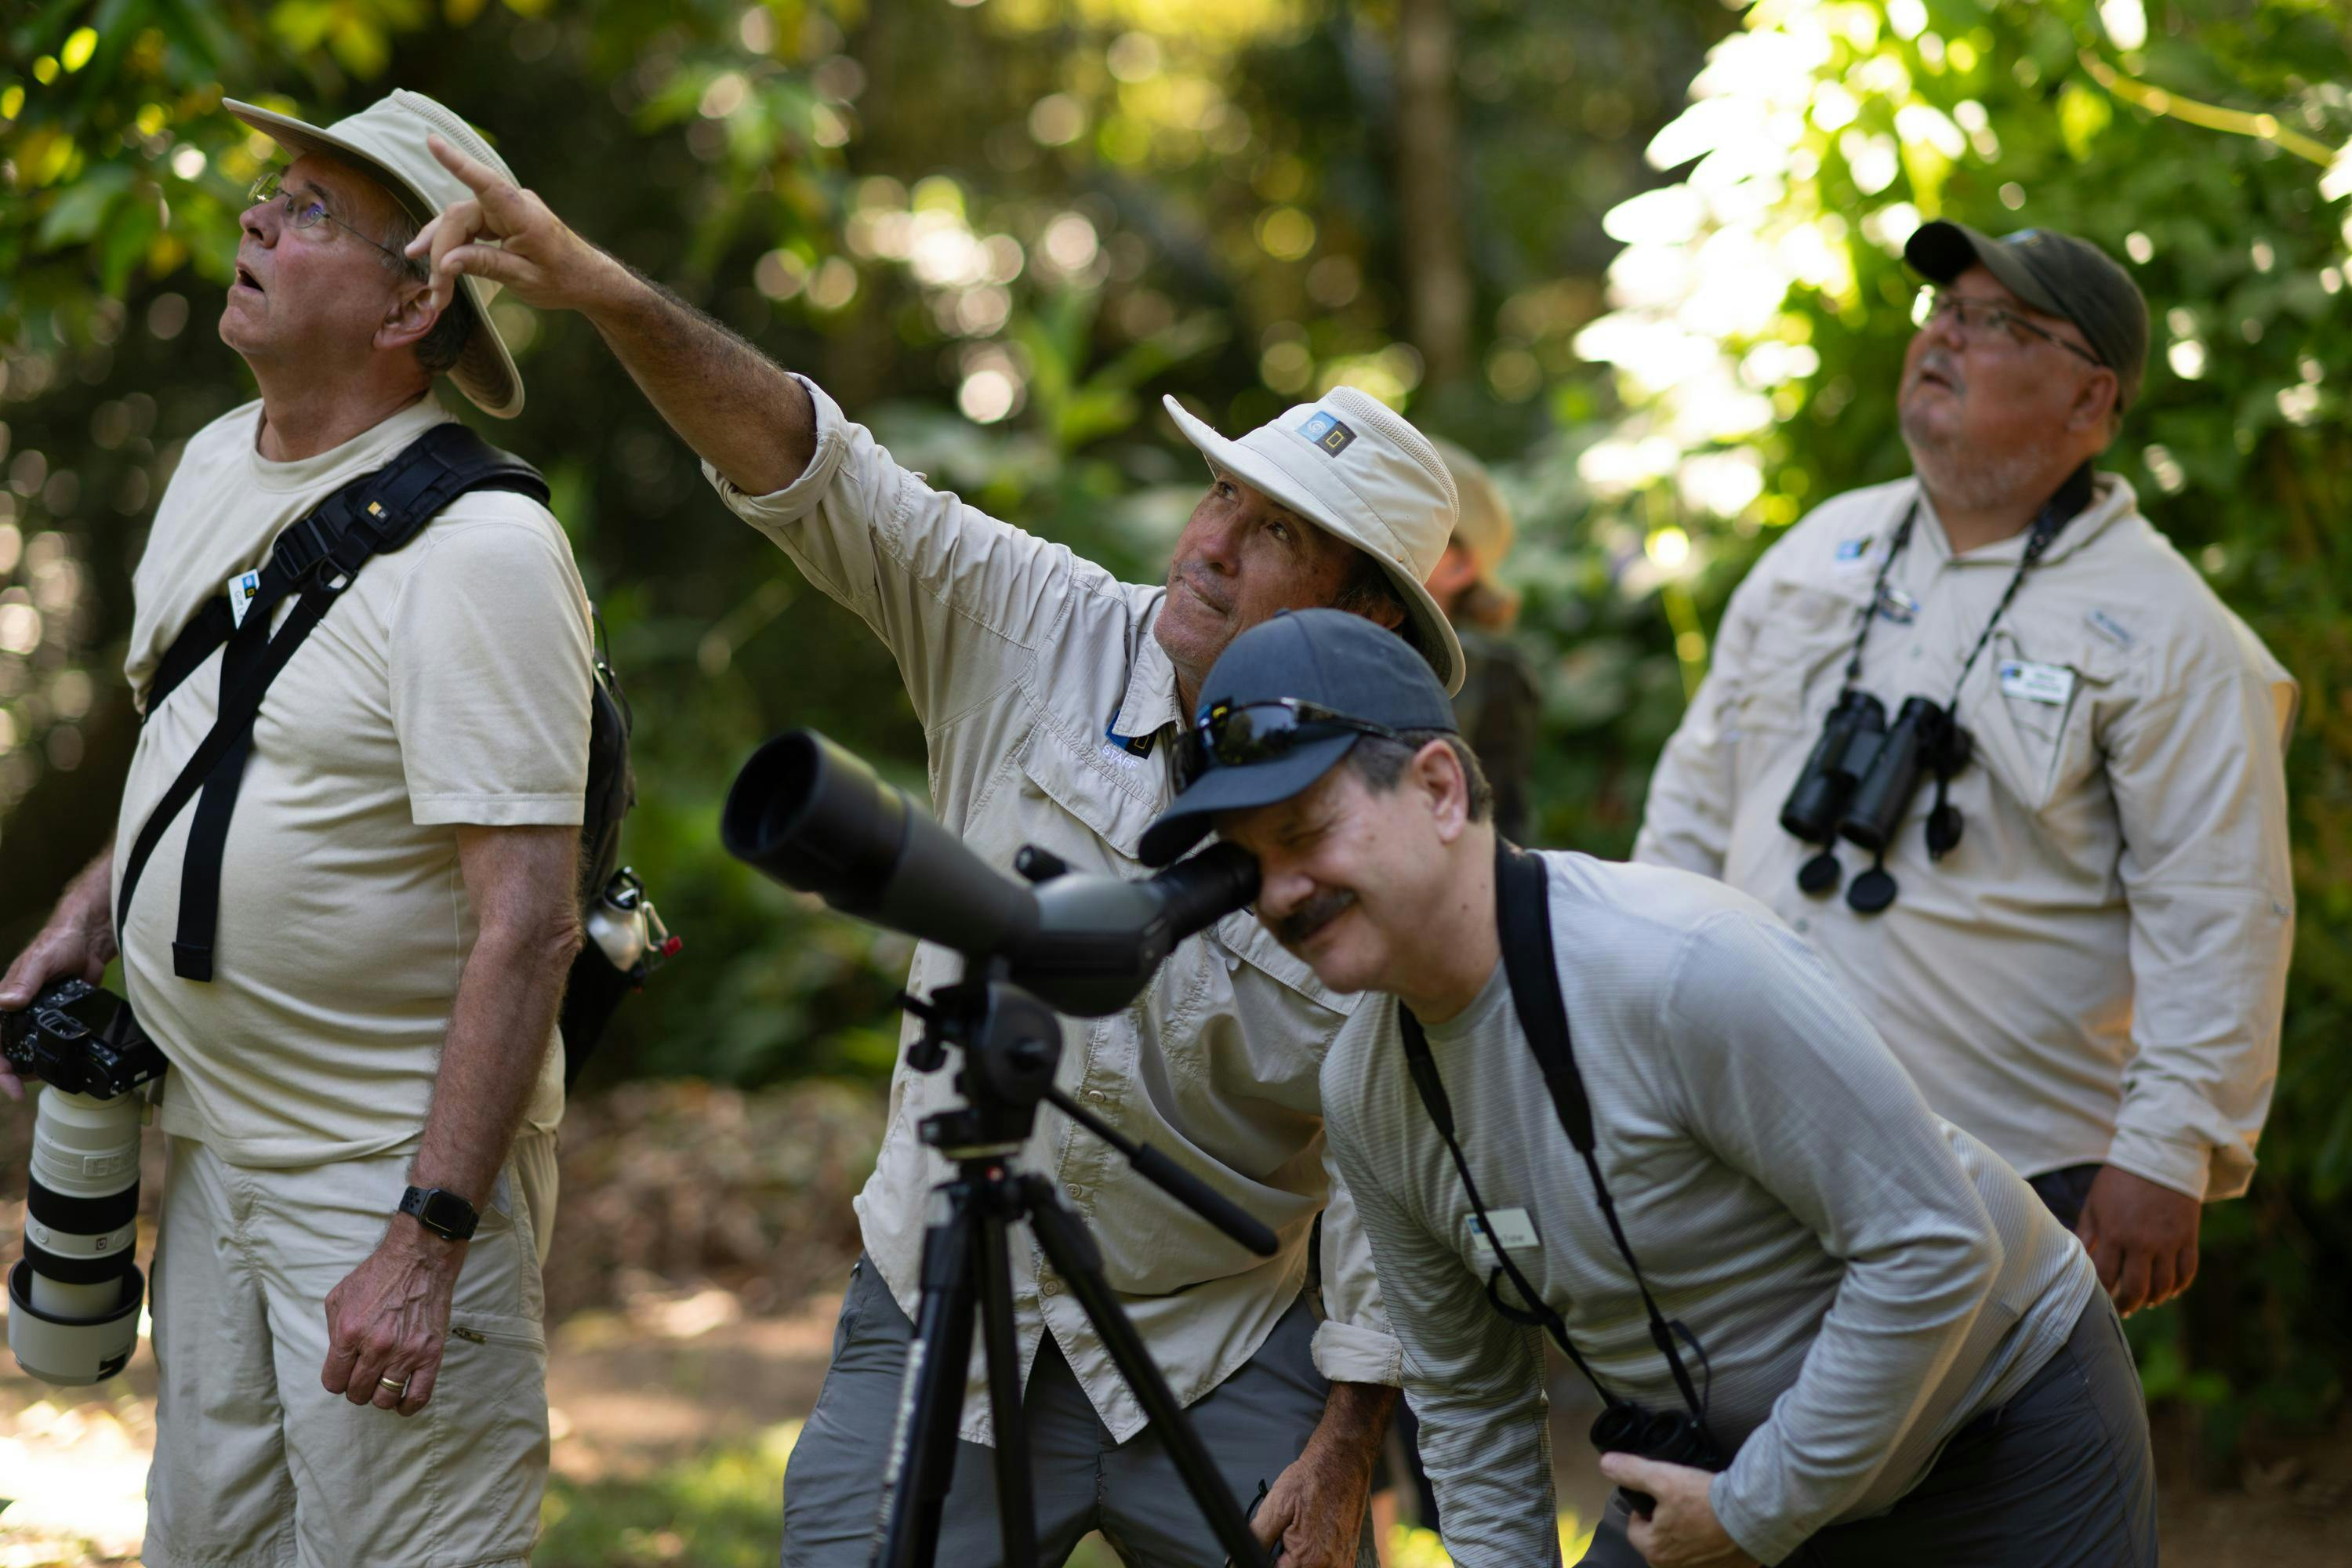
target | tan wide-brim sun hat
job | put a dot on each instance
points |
(385, 141)
(1358, 470)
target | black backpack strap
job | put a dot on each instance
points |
(209, 630)
(315, 558)
(1523, 912)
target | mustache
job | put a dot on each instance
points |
(1198, 578)
(1941, 362)
(1310, 917)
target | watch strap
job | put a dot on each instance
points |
(441, 1211)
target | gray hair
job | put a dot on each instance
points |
(1380, 763)
(441, 348)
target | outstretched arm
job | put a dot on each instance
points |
(729, 402)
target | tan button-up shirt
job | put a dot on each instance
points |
(2097, 971)
(1049, 711)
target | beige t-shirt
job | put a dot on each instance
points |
(449, 685)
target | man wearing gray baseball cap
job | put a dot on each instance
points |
(1625, 1108)
(351, 942)
(1986, 722)
(1051, 696)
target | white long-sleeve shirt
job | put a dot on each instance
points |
(1049, 713)
(1864, 1276)
(2096, 972)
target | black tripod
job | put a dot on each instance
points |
(1011, 1043)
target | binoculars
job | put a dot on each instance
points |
(1864, 772)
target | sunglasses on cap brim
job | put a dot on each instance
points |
(1236, 735)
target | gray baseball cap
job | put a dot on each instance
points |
(2053, 272)
(1336, 662)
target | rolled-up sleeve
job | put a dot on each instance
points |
(2200, 787)
(1686, 821)
(961, 599)
(1354, 1342)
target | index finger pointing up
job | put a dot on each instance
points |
(485, 182)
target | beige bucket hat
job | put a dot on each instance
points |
(1358, 470)
(386, 141)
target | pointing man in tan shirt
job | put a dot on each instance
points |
(2072, 925)
(1051, 697)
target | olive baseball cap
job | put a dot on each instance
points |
(1331, 659)
(2053, 272)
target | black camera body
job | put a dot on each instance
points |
(1669, 1437)
(81, 1040)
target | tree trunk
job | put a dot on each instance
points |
(1429, 175)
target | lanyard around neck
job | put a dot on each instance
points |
(2061, 509)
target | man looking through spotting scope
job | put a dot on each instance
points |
(1626, 1108)
(357, 983)
(1050, 696)
(2108, 838)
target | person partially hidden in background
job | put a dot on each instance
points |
(1499, 706)
(2073, 928)
(1625, 1106)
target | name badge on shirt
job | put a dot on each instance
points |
(1512, 1226)
(1897, 605)
(242, 590)
(2050, 683)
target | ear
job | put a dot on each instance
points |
(1437, 774)
(2093, 409)
(409, 315)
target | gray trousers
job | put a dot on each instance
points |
(1253, 1425)
(2059, 1477)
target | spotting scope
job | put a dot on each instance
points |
(817, 819)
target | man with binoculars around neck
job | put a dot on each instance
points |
(1625, 1108)
(2000, 754)
(1051, 697)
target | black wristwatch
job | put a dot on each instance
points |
(442, 1212)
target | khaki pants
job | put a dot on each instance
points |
(256, 1463)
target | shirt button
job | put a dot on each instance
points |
(1074, 1191)
(1095, 1094)
(1049, 1288)
(1232, 964)
(1804, 925)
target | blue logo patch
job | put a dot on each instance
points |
(1853, 549)
(1328, 433)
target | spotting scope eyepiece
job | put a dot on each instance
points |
(815, 818)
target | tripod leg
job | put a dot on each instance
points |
(1015, 1508)
(930, 1397)
(1072, 1252)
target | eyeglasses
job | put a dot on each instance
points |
(306, 212)
(1237, 736)
(1982, 319)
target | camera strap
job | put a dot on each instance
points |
(314, 560)
(1523, 915)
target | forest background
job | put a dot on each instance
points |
(1643, 256)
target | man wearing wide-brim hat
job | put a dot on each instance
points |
(2077, 938)
(357, 989)
(1053, 698)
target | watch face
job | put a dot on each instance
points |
(444, 1212)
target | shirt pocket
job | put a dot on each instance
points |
(1795, 665)
(2040, 745)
